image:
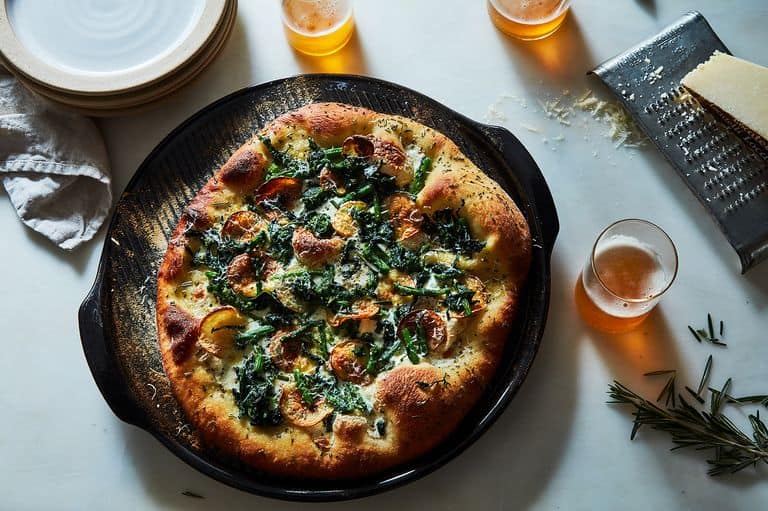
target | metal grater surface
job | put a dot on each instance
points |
(728, 174)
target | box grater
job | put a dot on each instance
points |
(728, 174)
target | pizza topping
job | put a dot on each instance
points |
(218, 329)
(385, 290)
(358, 145)
(349, 360)
(424, 325)
(281, 190)
(319, 223)
(285, 349)
(243, 226)
(280, 246)
(415, 343)
(297, 412)
(361, 309)
(283, 164)
(468, 297)
(393, 159)
(313, 251)
(406, 220)
(420, 175)
(479, 298)
(288, 299)
(452, 231)
(241, 276)
(347, 269)
(255, 394)
(343, 221)
(330, 181)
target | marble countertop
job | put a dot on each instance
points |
(558, 445)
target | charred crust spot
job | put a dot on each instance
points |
(183, 330)
(175, 259)
(197, 216)
(244, 169)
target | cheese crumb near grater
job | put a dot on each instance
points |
(736, 91)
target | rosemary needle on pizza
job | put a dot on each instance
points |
(334, 300)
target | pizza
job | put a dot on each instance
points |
(334, 300)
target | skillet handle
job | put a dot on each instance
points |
(532, 180)
(101, 358)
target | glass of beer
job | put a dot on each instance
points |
(528, 19)
(318, 27)
(632, 263)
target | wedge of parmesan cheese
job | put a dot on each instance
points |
(736, 91)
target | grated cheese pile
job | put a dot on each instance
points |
(619, 126)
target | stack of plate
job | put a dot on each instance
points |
(109, 57)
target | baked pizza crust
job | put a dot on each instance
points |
(418, 416)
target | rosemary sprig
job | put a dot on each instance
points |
(700, 430)
(708, 333)
(704, 376)
(759, 399)
(668, 392)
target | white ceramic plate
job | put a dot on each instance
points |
(124, 103)
(97, 47)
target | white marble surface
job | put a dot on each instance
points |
(558, 446)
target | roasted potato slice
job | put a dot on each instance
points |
(343, 222)
(286, 190)
(218, 329)
(358, 145)
(433, 325)
(361, 309)
(393, 161)
(297, 413)
(406, 220)
(330, 181)
(243, 226)
(242, 277)
(347, 364)
(288, 298)
(391, 155)
(313, 251)
(286, 353)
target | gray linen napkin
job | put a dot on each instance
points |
(54, 166)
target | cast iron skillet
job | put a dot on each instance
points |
(117, 319)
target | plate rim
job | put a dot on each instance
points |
(133, 101)
(112, 82)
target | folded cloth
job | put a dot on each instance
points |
(54, 166)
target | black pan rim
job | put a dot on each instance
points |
(377, 484)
